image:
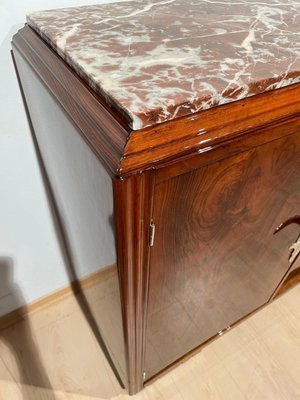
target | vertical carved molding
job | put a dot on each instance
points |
(133, 208)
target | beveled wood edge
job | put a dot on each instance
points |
(229, 148)
(133, 199)
(149, 148)
(57, 296)
(128, 152)
(100, 128)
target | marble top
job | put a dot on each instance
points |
(158, 60)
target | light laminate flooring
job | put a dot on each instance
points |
(53, 355)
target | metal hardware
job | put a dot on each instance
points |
(295, 248)
(220, 333)
(151, 234)
(144, 376)
(295, 251)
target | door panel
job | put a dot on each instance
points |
(215, 258)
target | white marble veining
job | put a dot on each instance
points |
(159, 60)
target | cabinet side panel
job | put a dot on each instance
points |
(83, 194)
(215, 258)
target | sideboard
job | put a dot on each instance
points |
(196, 202)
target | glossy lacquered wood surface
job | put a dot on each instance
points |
(205, 130)
(133, 208)
(216, 184)
(125, 151)
(104, 131)
(81, 199)
(215, 258)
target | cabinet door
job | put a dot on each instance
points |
(215, 258)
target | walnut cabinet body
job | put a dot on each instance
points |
(194, 206)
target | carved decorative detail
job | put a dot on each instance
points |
(295, 248)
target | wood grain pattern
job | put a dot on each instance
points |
(206, 129)
(220, 182)
(133, 208)
(215, 257)
(228, 148)
(105, 133)
(126, 151)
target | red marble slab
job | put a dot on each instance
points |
(155, 61)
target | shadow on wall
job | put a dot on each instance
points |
(22, 356)
(19, 339)
(65, 246)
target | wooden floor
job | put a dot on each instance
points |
(53, 356)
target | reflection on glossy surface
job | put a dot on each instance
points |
(295, 248)
(215, 258)
(100, 298)
(82, 195)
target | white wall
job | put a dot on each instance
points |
(29, 248)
